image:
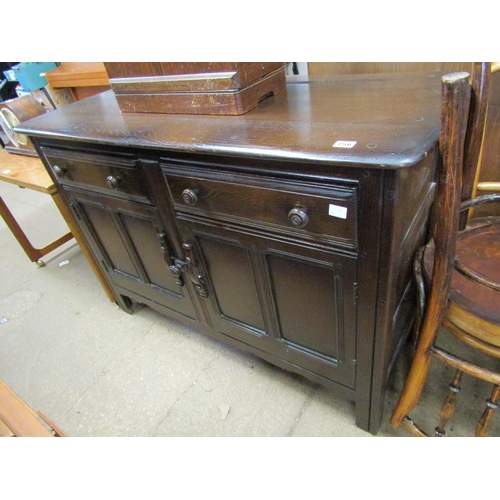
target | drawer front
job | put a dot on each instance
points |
(118, 176)
(312, 211)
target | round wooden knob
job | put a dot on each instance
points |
(113, 181)
(190, 196)
(58, 171)
(298, 217)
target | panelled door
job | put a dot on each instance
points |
(133, 248)
(292, 300)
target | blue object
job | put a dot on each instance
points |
(28, 74)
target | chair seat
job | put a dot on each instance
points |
(474, 296)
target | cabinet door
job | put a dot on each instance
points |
(130, 242)
(293, 301)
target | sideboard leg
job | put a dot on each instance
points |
(125, 303)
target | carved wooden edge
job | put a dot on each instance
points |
(193, 272)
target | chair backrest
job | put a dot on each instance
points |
(480, 83)
(455, 101)
(463, 117)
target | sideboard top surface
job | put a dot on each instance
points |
(391, 121)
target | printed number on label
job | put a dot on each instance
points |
(344, 144)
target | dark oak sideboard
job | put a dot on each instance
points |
(288, 231)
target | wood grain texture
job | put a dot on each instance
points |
(25, 171)
(18, 416)
(239, 198)
(490, 156)
(342, 68)
(5, 431)
(472, 306)
(13, 112)
(186, 77)
(393, 120)
(78, 74)
(80, 93)
(116, 174)
(205, 102)
(83, 79)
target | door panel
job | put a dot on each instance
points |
(309, 304)
(295, 302)
(231, 275)
(109, 238)
(124, 236)
(143, 237)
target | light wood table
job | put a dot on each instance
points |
(29, 172)
(19, 419)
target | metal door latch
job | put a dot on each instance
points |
(180, 267)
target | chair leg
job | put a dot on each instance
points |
(413, 387)
(483, 426)
(413, 427)
(449, 404)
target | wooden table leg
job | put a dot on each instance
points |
(34, 254)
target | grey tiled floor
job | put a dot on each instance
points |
(98, 371)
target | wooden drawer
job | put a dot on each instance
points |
(119, 176)
(312, 211)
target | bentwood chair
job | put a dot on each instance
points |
(458, 271)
